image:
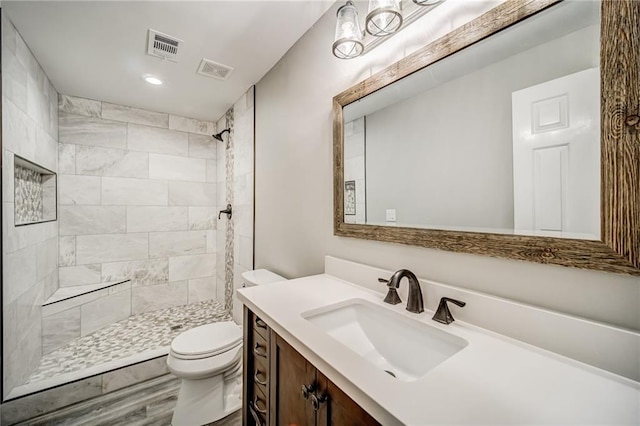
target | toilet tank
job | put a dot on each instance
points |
(259, 277)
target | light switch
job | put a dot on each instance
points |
(391, 215)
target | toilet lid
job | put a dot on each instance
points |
(207, 340)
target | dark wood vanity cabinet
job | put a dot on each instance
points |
(282, 388)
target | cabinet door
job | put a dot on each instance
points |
(288, 405)
(336, 408)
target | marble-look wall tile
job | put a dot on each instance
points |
(243, 220)
(104, 311)
(202, 218)
(18, 131)
(134, 374)
(46, 258)
(81, 130)
(19, 273)
(140, 272)
(192, 194)
(25, 357)
(67, 251)
(134, 115)
(79, 275)
(202, 289)
(243, 189)
(79, 190)
(134, 192)
(79, 106)
(245, 252)
(66, 159)
(111, 248)
(212, 242)
(164, 244)
(87, 220)
(156, 140)
(191, 125)
(14, 78)
(212, 170)
(202, 146)
(46, 150)
(146, 219)
(194, 266)
(49, 197)
(177, 168)
(8, 176)
(159, 296)
(59, 329)
(98, 161)
(220, 289)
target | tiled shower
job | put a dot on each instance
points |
(134, 249)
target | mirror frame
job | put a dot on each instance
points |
(618, 250)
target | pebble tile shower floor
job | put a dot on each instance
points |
(138, 333)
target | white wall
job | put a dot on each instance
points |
(294, 185)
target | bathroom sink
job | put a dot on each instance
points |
(403, 347)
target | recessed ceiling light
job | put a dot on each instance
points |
(151, 79)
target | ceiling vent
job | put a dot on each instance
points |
(214, 70)
(163, 46)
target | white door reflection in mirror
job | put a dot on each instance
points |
(556, 157)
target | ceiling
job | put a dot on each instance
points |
(97, 49)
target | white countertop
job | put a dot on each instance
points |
(493, 380)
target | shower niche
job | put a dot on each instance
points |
(35, 193)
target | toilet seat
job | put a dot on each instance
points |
(206, 341)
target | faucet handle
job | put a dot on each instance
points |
(443, 314)
(392, 295)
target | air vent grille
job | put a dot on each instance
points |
(215, 70)
(163, 46)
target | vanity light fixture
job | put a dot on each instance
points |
(348, 38)
(384, 17)
(152, 79)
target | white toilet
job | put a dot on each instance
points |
(208, 359)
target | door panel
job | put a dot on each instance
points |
(556, 157)
(292, 371)
(338, 408)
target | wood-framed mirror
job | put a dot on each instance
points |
(615, 243)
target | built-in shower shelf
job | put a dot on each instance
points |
(68, 297)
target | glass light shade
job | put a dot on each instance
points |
(426, 2)
(348, 38)
(384, 17)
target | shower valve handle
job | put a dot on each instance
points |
(228, 211)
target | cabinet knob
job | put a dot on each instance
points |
(316, 401)
(306, 390)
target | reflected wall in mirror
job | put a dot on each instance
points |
(488, 140)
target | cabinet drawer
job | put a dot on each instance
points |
(259, 326)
